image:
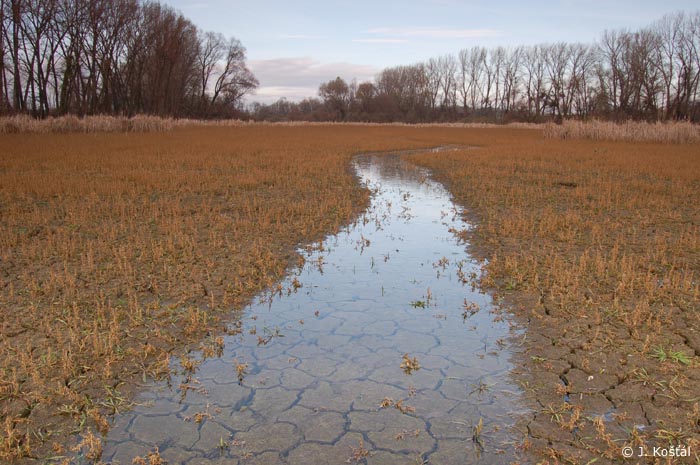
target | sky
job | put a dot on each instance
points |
(293, 46)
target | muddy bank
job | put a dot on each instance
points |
(378, 350)
(121, 253)
(595, 246)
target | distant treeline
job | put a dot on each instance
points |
(121, 57)
(127, 57)
(651, 74)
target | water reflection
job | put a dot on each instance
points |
(316, 375)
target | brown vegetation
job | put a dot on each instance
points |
(631, 131)
(596, 245)
(118, 249)
(103, 123)
(143, 123)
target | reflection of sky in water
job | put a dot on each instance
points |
(313, 392)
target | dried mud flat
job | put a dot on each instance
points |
(594, 245)
(377, 351)
(119, 252)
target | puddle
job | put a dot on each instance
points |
(323, 379)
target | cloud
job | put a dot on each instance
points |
(435, 33)
(381, 41)
(270, 94)
(299, 77)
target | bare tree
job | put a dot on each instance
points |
(667, 30)
(235, 79)
(446, 67)
(475, 70)
(645, 82)
(364, 99)
(511, 77)
(613, 69)
(491, 66)
(336, 96)
(693, 38)
(16, 15)
(580, 93)
(432, 80)
(111, 49)
(534, 68)
(136, 56)
(211, 50)
(557, 61)
(406, 93)
(688, 71)
(4, 52)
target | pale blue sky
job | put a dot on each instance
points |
(294, 46)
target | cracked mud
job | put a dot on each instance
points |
(320, 376)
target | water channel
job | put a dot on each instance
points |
(377, 351)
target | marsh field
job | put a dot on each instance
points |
(130, 261)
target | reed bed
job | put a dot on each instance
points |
(631, 131)
(88, 124)
(595, 245)
(145, 123)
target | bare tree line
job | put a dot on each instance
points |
(130, 56)
(115, 57)
(650, 74)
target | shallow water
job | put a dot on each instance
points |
(328, 350)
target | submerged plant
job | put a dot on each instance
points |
(358, 453)
(152, 458)
(476, 434)
(470, 309)
(409, 365)
(241, 371)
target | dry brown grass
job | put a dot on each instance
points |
(630, 131)
(91, 124)
(597, 246)
(116, 249)
(23, 124)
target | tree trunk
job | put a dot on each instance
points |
(16, 79)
